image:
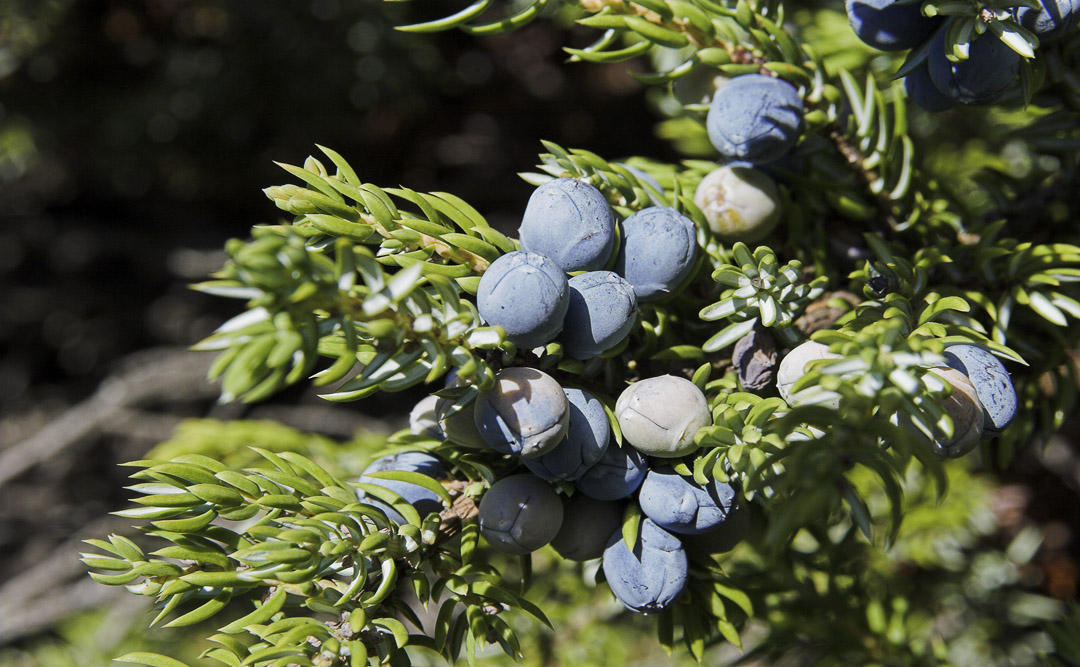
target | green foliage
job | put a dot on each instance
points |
(967, 606)
(231, 443)
(970, 19)
(315, 288)
(1065, 633)
(759, 290)
(379, 282)
(943, 594)
(304, 545)
(464, 19)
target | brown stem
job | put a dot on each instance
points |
(855, 159)
(462, 510)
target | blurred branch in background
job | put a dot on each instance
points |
(56, 587)
(168, 375)
(43, 476)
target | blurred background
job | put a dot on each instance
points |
(135, 137)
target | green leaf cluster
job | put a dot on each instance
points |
(759, 291)
(317, 288)
(325, 570)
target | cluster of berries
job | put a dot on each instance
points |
(568, 228)
(569, 484)
(985, 76)
(564, 435)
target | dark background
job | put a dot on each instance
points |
(134, 130)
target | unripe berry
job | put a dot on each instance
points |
(423, 420)
(922, 91)
(587, 438)
(617, 474)
(987, 74)
(659, 416)
(587, 524)
(740, 203)
(991, 382)
(1053, 21)
(658, 251)
(793, 367)
(890, 25)
(424, 500)
(966, 412)
(679, 505)
(459, 427)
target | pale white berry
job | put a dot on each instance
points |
(740, 203)
(660, 416)
(793, 367)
